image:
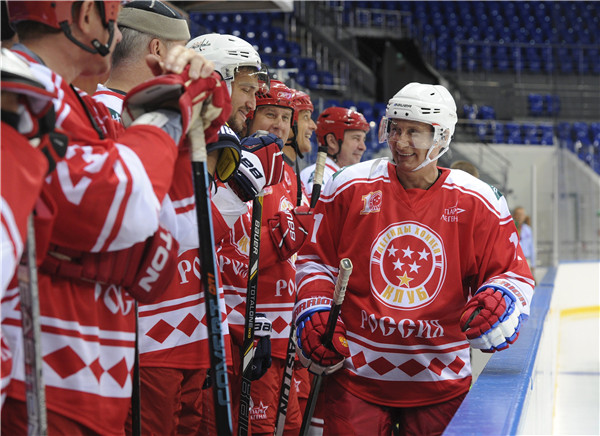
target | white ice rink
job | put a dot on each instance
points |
(575, 308)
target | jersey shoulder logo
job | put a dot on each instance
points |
(496, 192)
(408, 265)
(450, 214)
(371, 202)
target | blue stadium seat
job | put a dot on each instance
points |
(552, 103)
(325, 78)
(530, 134)
(482, 131)
(546, 134)
(366, 108)
(348, 103)
(498, 133)
(535, 104)
(331, 102)
(513, 133)
(379, 110)
(486, 113)
(581, 132)
(312, 81)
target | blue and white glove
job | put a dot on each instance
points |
(492, 318)
(261, 165)
(261, 361)
(311, 322)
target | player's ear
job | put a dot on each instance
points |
(156, 47)
(83, 15)
(332, 144)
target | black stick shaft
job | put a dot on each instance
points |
(210, 284)
(338, 298)
(251, 295)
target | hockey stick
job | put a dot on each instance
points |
(338, 298)
(248, 346)
(210, 282)
(318, 179)
(286, 383)
(136, 406)
(30, 319)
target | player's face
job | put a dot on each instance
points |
(409, 142)
(243, 100)
(273, 119)
(353, 148)
(306, 128)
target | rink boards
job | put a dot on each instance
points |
(548, 382)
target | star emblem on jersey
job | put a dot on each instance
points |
(408, 265)
(259, 412)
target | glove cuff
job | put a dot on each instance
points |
(507, 288)
(306, 307)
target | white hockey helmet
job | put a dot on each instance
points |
(425, 103)
(228, 52)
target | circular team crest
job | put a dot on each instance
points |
(408, 265)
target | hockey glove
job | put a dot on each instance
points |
(229, 159)
(143, 270)
(261, 361)
(32, 113)
(262, 165)
(289, 229)
(311, 324)
(491, 320)
(205, 99)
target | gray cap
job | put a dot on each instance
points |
(155, 18)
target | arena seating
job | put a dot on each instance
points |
(507, 37)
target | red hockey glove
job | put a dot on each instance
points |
(262, 165)
(206, 100)
(311, 324)
(491, 320)
(31, 112)
(261, 361)
(35, 115)
(143, 270)
(289, 229)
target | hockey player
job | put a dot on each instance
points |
(343, 132)
(30, 150)
(285, 228)
(152, 25)
(303, 125)
(420, 238)
(240, 66)
(100, 213)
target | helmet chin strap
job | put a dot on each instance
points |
(294, 142)
(97, 46)
(428, 158)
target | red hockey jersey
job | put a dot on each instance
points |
(172, 330)
(417, 255)
(276, 279)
